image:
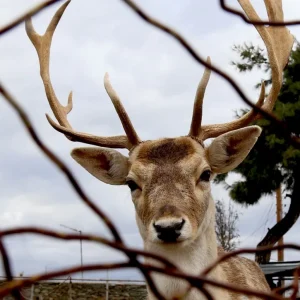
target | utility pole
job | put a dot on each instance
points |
(80, 232)
(280, 253)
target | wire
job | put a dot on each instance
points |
(266, 214)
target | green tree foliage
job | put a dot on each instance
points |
(272, 160)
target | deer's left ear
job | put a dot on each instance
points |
(228, 150)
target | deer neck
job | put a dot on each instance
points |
(191, 258)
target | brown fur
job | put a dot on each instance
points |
(167, 186)
(165, 151)
(245, 273)
(167, 173)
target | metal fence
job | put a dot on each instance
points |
(73, 288)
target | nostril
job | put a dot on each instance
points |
(178, 226)
(169, 227)
(157, 227)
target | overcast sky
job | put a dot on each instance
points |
(156, 80)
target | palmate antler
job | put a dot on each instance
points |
(278, 42)
(42, 45)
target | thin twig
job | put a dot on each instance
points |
(75, 184)
(58, 162)
(33, 11)
(167, 267)
(228, 255)
(7, 268)
(196, 281)
(86, 237)
(295, 284)
(9, 286)
(236, 12)
(282, 126)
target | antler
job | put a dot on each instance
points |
(278, 42)
(42, 45)
(195, 129)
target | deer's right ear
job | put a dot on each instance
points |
(228, 150)
(107, 165)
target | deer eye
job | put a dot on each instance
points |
(132, 185)
(205, 176)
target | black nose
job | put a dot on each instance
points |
(169, 233)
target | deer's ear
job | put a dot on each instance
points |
(228, 150)
(107, 165)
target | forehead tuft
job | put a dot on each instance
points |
(166, 150)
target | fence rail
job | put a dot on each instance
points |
(72, 289)
(79, 280)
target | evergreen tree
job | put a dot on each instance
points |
(273, 160)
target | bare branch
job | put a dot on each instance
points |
(58, 162)
(189, 48)
(165, 267)
(30, 13)
(7, 267)
(226, 256)
(236, 12)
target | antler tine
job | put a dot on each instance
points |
(214, 130)
(125, 120)
(118, 141)
(279, 42)
(42, 44)
(198, 103)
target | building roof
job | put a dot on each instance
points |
(285, 268)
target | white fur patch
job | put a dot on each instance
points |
(185, 232)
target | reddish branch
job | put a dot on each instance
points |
(167, 267)
(236, 12)
(196, 281)
(58, 162)
(7, 267)
(286, 223)
(228, 255)
(282, 126)
(74, 183)
(35, 10)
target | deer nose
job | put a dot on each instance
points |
(168, 232)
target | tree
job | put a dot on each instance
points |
(226, 230)
(273, 160)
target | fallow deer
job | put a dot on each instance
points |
(169, 178)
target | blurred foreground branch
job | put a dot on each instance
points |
(165, 267)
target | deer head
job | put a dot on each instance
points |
(169, 178)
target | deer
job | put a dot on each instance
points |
(170, 178)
